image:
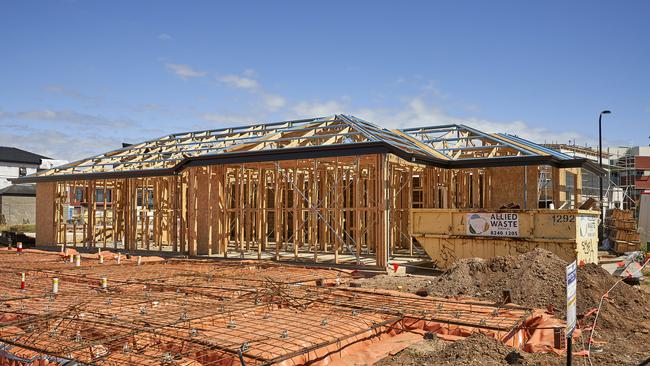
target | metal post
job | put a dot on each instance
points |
(600, 185)
(601, 231)
(569, 351)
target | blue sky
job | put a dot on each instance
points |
(80, 77)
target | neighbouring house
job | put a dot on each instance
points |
(15, 163)
(18, 202)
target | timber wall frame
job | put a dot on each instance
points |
(314, 206)
(319, 208)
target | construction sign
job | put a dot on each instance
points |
(588, 226)
(571, 285)
(493, 224)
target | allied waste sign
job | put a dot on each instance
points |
(587, 226)
(493, 224)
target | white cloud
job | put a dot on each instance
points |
(421, 110)
(67, 117)
(164, 37)
(241, 82)
(274, 102)
(185, 71)
(147, 107)
(431, 87)
(417, 112)
(58, 144)
(251, 73)
(61, 90)
(248, 82)
(227, 119)
(412, 112)
(316, 109)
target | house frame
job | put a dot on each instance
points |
(320, 188)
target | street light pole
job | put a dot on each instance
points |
(601, 227)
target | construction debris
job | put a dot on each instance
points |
(589, 204)
(626, 266)
(623, 231)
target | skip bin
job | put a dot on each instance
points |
(450, 234)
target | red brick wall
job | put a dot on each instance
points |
(642, 162)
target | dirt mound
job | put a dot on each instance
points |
(535, 279)
(624, 319)
(477, 349)
(624, 302)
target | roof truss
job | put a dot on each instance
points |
(446, 143)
